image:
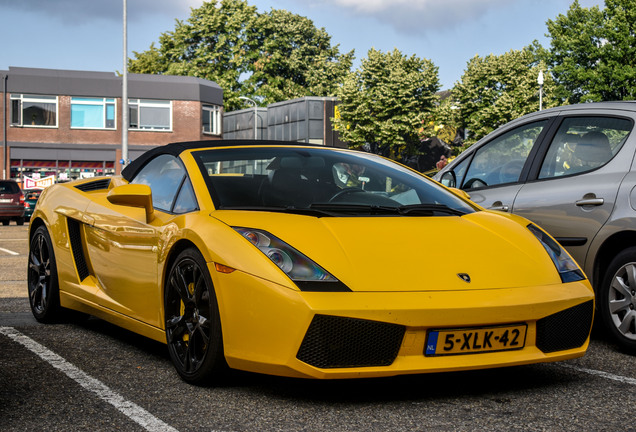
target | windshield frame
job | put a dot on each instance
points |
(417, 185)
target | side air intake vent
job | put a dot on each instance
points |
(94, 185)
(75, 237)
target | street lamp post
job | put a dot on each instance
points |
(540, 81)
(124, 93)
(245, 98)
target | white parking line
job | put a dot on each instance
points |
(10, 252)
(130, 409)
(607, 375)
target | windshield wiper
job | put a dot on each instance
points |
(338, 209)
(354, 208)
(307, 211)
(426, 209)
(404, 210)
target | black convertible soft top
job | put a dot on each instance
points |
(130, 171)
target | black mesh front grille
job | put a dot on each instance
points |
(566, 329)
(94, 185)
(75, 237)
(334, 342)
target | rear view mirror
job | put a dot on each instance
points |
(133, 195)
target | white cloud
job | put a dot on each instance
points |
(419, 16)
(78, 12)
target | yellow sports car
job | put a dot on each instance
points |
(304, 261)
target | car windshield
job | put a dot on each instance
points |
(323, 182)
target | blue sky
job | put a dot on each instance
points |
(87, 34)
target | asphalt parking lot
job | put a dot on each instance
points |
(90, 375)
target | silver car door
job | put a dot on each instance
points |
(577, 181)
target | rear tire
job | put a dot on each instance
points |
(5, 222)
(617, 299)
(193, 325)
(44, 295)
(19, 221)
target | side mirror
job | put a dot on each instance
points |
(448, 179)
(133, 195)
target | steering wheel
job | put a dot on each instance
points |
(343, 192)
(475, 183)
(510, 171)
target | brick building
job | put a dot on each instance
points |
(68, 124)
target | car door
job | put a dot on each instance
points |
(575, 180)
(125, 247)
(494, 173)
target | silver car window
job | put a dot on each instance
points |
(583, 144)
(501, 160)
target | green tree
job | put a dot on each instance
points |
(270, 57)
(574, 51)
(592, 52)
(497, 89)
(383, 103)
(210, 44)
(289, 57)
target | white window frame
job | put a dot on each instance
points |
(214, 114)
(148, 103)
(76, 100)
(21, 97)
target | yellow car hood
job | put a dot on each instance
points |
(411, 253)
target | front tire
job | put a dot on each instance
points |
(617, 299)
(44, 296)
(193, 325)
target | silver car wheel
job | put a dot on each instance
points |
(622, 300)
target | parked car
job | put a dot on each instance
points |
(11, 202)
(30, 200)
(572, 171)
(303, 261)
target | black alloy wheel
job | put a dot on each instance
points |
(193, 326)
(617, 299)
(42, 277)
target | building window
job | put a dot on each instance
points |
(33, 110)
(150, 114)
(92, 113)
(211, 119)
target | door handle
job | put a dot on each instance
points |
(590, 202)
(498, 205)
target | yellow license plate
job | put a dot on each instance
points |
(475, 340)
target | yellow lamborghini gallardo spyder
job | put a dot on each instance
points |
(304, 261)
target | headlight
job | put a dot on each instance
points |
(305, 273)
(567, 268)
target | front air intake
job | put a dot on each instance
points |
(339, 342)
(565, 330)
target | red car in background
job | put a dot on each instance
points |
(11, 202)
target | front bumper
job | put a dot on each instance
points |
(271, 329)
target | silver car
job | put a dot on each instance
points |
(572, 171)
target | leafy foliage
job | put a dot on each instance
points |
(592, 52)
(383, 103)
(291, 58)
(269, 57)
(497, 89)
